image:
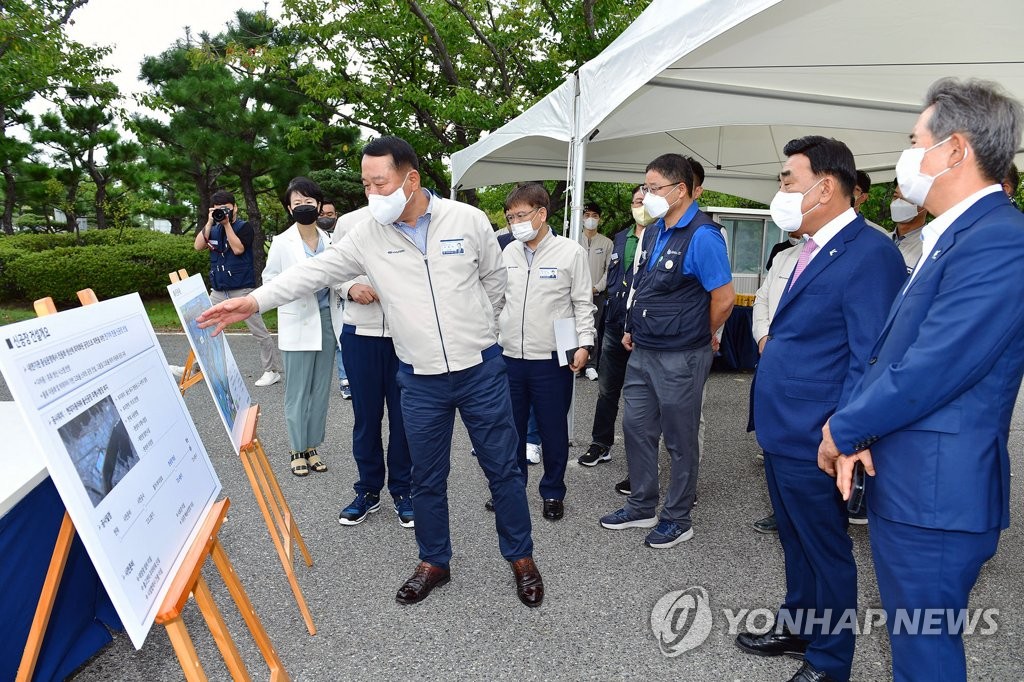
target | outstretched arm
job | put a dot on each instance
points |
(228, 312)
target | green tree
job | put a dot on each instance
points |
(439, 73)
(84, 135)
(36, 59)
(236, 119)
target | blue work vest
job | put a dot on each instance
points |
(671, 310)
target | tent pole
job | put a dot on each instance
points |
(577, 167)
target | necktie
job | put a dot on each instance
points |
(801, 261)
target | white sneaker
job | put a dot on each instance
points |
(269, 378)
(591, 373)
(177, 371)
(533, 453)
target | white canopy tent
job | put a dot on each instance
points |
(730, 82)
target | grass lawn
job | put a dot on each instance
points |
(161, 314)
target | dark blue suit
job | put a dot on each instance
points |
(934, 407)
(818, 343)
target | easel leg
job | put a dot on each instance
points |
(185, 650)
(254, 469)
(51, 584)
(259, 634)
(275, 487)
(219, 629)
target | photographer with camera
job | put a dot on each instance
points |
(232, 275)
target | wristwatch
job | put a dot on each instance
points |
(589, 349)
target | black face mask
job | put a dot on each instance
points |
(305, 214)
(326, 224)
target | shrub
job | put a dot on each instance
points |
(111, 266)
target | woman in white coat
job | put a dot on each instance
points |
(304, 332)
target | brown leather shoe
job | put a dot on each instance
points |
(424, 579)
(529, 585)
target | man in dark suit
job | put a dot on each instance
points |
(844, 281)
(940, 383)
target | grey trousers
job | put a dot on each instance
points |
(663, 391)
(307, 389)
(270, 356)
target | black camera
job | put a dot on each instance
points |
(219, 214)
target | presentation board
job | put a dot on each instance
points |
(94, 389)
(223, 378)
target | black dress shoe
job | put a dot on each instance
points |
(772, 644)
(424, 579)
(489, 504)
(529, 586)
(766, 525)
(808, 673)
(553, 509)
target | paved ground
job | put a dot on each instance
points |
(601, 585)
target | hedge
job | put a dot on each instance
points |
(109, 263)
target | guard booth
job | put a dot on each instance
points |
(750, 236)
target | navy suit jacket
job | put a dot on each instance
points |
(820, 337)
(936, 400)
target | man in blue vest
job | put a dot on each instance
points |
(681, 295)
(230, 242)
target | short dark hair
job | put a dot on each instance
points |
(400, 151)
(828, 156)
(305, 187)
(592, 207)
(636, 189)
(1012, 178)
(698, 171)
(328, 200)
(529, 193)
(675, 168)
(863, 181)
(222, 197)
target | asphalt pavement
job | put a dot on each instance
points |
(601, 585)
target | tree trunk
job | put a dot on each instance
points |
(10, 190)
(255, 219)
(176, 221)
(101, 204)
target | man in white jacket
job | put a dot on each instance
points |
(437, 269)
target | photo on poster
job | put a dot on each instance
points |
(227, 387)
(100, 447)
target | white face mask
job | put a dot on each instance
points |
(915, 185)
(641, 216)
(903, 211)
(524, 231)
(387, 208)
(657, 206)
(590, 223)
(785, 209)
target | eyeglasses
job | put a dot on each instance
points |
(647, 189)
(521, 216)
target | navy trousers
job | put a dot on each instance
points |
(546, 388)
(925, 568)
(372, 379)
(821, 574)
(481, 396)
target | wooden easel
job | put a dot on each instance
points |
(265, 487)
(188, 377)
(187, 581)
